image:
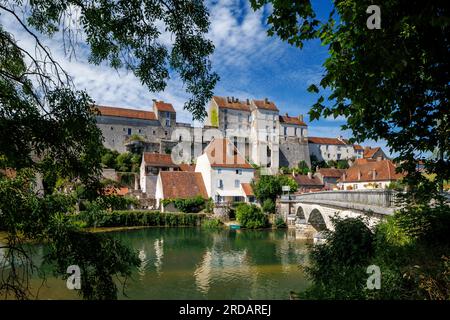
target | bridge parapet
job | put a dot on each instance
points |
(378, 198)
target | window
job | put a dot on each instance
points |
(295, 130)
(179, 138)
(239, 171)
(165, 133)
(285, 131)
(220, 183)
(249, 118)
(112, 128)
(237, 183)
(240, 117)
(219, 171)
(167, 119)
(124, 129)
(339, 156)
(129, 131)
(140, 131)
(154, 132)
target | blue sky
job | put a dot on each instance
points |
(250, 65)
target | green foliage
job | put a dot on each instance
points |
(389, 84)
(132, 218)
(411, 248)
(316, 163)
(250, 216)
(189, 205)
(27, 217)
(338, 267)
(268, 206)
(109, 158)
(338, 164)
(269, 187)
(279, 223)
(122, 162)
(303, 167)
(209, 206)
(212, 224)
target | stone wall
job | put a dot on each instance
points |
(292, 151)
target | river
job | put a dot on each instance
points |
(192, 263)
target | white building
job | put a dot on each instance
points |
(224, 171)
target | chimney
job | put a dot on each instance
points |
(300, 117)
(232, 99)
(309, 174)
(266, 100)
(248, 101)
(154, 100)
(374, 174)
(344, 176)
(228, 100)
(359, 174)
(286, 114)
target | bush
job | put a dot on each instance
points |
(279, 223)
(125, 218)
(338, 267)
(212, 223)
(268, 206)
(189, 205)
(250, 216)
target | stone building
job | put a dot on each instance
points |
(257, 130)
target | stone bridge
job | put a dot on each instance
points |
(316, 209)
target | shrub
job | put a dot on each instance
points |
(250, 216)
(189, 205)
(338, 267)
(268, 206)
(212, 223)
(279, 223)
(125, 218)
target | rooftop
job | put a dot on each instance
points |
(182, 184)
(292, 120)
(164, 106)
(158, 160)
(371, 170)
(320, 140)
(222, 153)
(126, 113)
(232, 103)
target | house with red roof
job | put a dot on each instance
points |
(369, 174)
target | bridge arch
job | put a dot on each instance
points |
(317, 220)
(300, 215)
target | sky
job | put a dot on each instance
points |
(249, 62)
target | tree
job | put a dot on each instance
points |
(391, 83)
(268, 206)
(250, 216)
(51, 126)
(269, 187)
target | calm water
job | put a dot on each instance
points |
(190, 263)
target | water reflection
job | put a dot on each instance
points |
(191, 263)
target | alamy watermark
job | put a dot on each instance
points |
(74, 280)
(374, 20)
(374, 280)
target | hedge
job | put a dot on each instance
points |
(129, 218)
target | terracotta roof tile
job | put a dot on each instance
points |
(248, 190)
(187, 167)
(182, 184)
(224, 102)
(265, 104)
(320, 140)
(370, 152)
(292, 120)
(164, 106)
(331, 173)
(358, 147)
(222, 153)
(305, 180)
(363, 170)
(158, 160)
(126, 113)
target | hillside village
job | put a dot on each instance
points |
(240, 141)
